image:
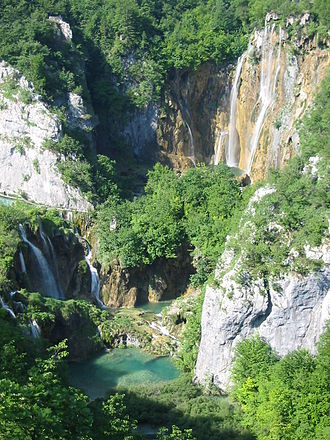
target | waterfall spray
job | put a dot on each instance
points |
(48, 284)
(232, 152)
(51, 255)
(6, 307)
(95, 280)
(267, 88)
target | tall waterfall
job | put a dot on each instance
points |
(47, 283)
(217, 153)
(270, 70)
(51, 255)
(232, 152)
(267, 89)
(6, 307)
(95, 279)
(185, 112)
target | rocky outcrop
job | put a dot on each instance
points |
(27, 167)
(288, 311)
(164, 279)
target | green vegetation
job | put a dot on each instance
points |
(10, 218)
(180, 403)
(36, 401)
(286, 398)
(195, 209)
(296, 214)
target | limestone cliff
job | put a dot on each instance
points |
(28, 168)
(163, 280)
(244, 114)
(288, 310)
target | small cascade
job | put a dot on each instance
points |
(185, 111)
(217, 155)
(6, 307)
(95, 279)
(233, 149)
(51, 255)
(21, 259)
(267, 87)
(35, 329)
(48, 285)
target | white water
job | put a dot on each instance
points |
(95, 279)
(35, 329)
(6, 307)
(267, 88)
(21, 259)
(232, 152)
(162, 330)
(218, 149)
(51, 255)
(48, 284)
(185, 110)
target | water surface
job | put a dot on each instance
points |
(155, 307)
(120, 368)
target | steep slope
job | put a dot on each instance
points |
(244, 115)
(289, 309)
(28, 168)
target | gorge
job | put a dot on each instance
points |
(164, 220)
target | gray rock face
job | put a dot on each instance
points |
(141, 131)
(27, 168)
(289, 314)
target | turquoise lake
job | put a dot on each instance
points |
(155, 307)
(120, 368)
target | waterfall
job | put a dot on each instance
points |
(184, 110)
(48, 284)
(6, 307)
(218, 149)
(267, 88)
(95, 280)
(35, 329)
(232, 152)
(21, 259)
(50, 254)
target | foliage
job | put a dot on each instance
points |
(187, 356)
(185, 405)
(195, 208)
(286, 398)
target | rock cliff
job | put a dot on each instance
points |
(28, 169)
(163, 280)
(288, 311)
(245, 114)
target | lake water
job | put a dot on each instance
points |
(155, 307)
(120, 368)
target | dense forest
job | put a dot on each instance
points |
(196, 211)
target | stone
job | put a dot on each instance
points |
(64, 28)
(289, 313)
(27, 167)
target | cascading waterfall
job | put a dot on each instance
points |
(6, 307)
(184, 110)
(222, 137)
(232, 152)
(95, 279)
(267, 88)
(51, 255)
(35, 329)
(21, 259)
(48, 284)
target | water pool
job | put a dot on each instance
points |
(120, 368)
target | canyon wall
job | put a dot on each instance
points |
(288, 310)
(242, 114)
